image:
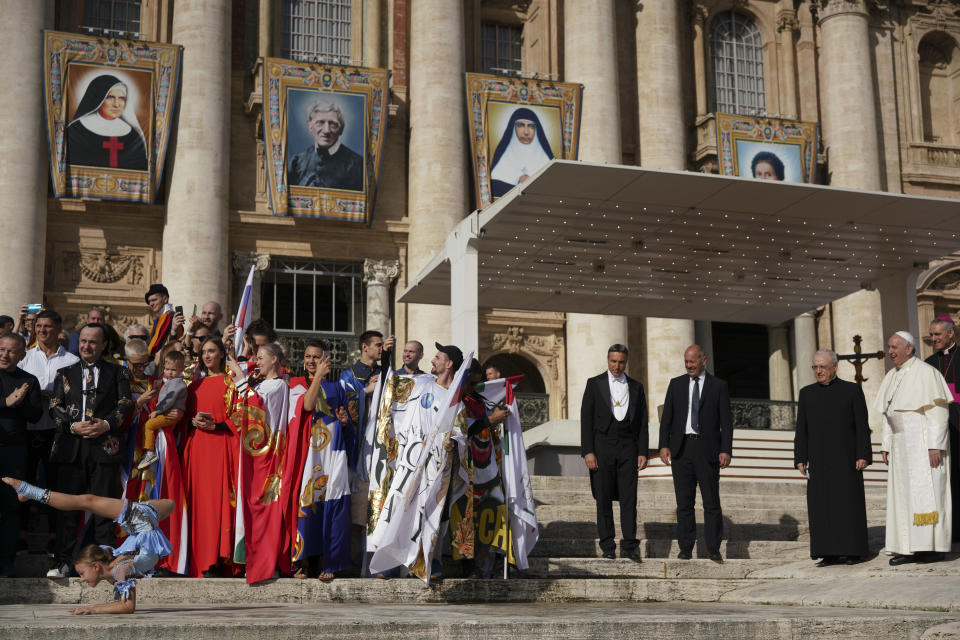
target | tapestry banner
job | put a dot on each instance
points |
(324, 129)
(109, 106)
(767, 148)
(517, 126)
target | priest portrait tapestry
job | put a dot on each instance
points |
(324, 131)
(516, 127)
(108, 109)
(767, 148)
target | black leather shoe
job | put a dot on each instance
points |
(684, 555)
(608, 555)
(826, 561)
(899, 559)
(716, 557)
(930, 556)
(850, 559)
(633, 555)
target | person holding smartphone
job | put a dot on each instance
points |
(210, 458)
(168, 322)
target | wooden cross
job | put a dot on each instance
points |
(857, 358)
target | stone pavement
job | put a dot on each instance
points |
(663, 621)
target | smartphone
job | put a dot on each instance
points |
(205, 415)
(178, 309)
(34, 308)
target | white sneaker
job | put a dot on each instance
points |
(148, 459)
(59, 571)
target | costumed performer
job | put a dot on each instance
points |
(133, 559)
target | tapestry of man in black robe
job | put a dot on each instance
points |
(948, 363)
(832, 434)
(316, 167)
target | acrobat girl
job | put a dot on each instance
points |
(133, 559)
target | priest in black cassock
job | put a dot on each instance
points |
(832, 448)
(943, 333)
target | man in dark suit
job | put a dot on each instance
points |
(90, 401)
(696, 436)
(613, 443)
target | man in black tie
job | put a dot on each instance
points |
(90, 401)
(696, 437)
(613, 443)
(943, 333)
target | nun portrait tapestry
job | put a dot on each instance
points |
(108, 109)
(517, 126)
(323, 132)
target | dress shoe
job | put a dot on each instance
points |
(930, 556)
(826, 561)
(684, 555)
(716, 557)
(633, 555)
(899, 559)
(850, 559)
(608, 555)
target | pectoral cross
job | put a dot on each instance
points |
(113, 145)
(857, 359)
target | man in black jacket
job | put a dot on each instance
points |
(613, 443)
(20, 403)
(696, 436)
(90, 401)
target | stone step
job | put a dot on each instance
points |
(588, 547)
(647, 568)
(662, 621)
(665, 500)
(728, 486)
(586, 513)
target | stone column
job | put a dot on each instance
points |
(849, 115)
(925, 315)
(663, 133)
(438, 189)
(700, 14)
(778, 364)
(703, 336)
(372, 22)
(804, 346)
(196, 230)
(853, 151)
(786, 25)
(667, 339)
(242, 261)
(591, 60)
(379, 275)
(23, 153)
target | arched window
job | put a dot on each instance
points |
(940, 88)
(737, 60)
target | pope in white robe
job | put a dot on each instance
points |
(913, 405)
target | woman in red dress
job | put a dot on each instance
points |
(210, 459)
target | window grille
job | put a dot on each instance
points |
(112, 18)
(737, 60)
(316, 30)
(502, 48)
(314, 298)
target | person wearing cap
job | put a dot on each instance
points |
(6, 325)
(943, 332)
(913, 405)
(167, 323)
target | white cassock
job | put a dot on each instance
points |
(913, 404)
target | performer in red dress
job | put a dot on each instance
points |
(210, 459)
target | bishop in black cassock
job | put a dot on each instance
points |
(832, 446)
(946, 360)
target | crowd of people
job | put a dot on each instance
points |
(177, 412)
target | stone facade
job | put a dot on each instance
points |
(881, 78)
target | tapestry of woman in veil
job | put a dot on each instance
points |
(109, 105)
(517, 126)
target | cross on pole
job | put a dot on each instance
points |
(858, 358)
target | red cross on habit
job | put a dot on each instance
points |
(113, 146)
